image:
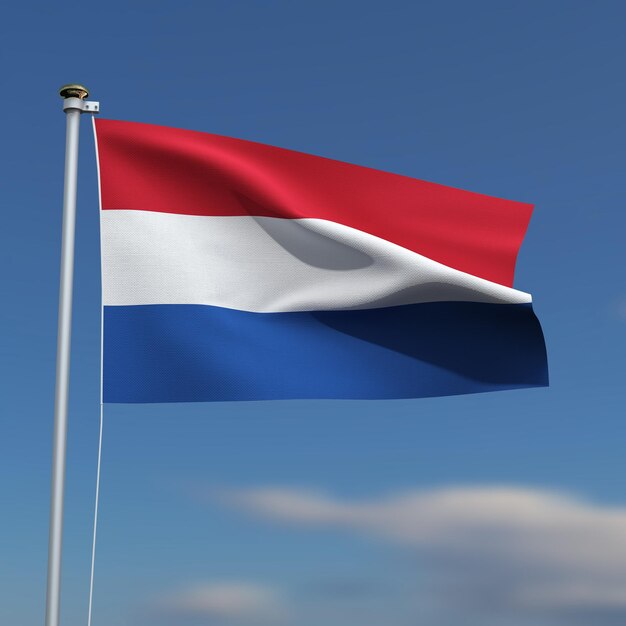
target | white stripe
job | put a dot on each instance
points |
(269, 264)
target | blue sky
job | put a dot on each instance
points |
(506, 508)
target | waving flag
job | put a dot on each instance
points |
(233, 270)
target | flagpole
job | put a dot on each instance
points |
(74, 105)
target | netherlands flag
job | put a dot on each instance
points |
(232, 270)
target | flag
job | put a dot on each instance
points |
(233, 270)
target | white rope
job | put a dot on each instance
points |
(95, 513)
(95, 517)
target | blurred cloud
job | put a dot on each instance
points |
(223, 603)
(495, 550)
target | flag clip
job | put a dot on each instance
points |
(86, 106)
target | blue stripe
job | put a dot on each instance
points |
(194, 353)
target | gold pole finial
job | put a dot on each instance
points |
(74, 90)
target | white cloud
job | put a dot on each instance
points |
(226, 602)
(525, 549)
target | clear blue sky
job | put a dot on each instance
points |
(505, 509)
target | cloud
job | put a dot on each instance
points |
(495, 549)
(225, 602)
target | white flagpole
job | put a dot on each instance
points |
(74, 104)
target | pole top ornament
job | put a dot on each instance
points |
(74, 90)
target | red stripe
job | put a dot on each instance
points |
(156, 168)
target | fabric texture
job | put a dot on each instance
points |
(237, 271)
